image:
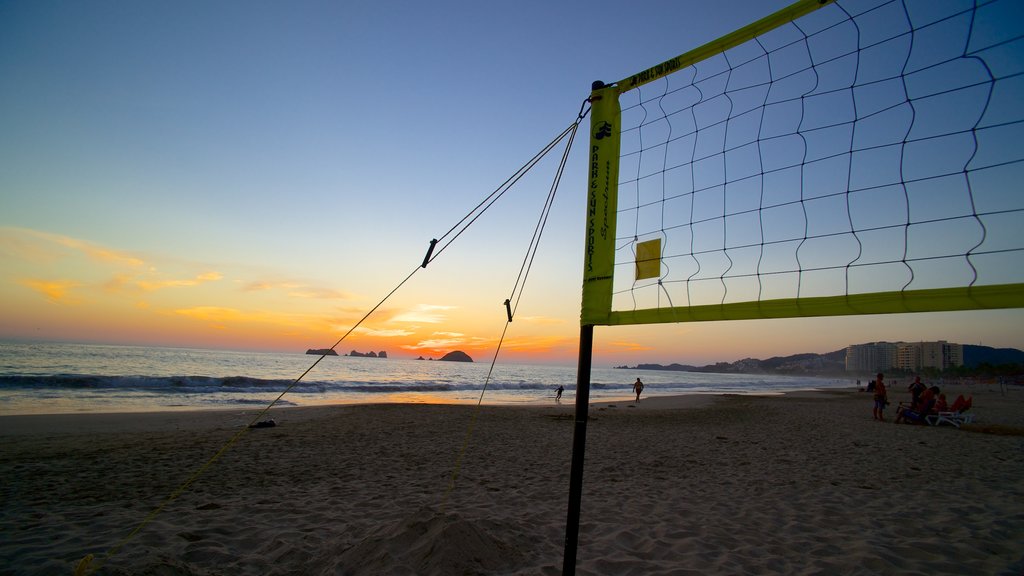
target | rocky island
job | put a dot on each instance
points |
(381, 354)
(456, 356)
(322, 351)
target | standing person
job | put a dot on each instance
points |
(916, 388)
(558, 394)
(638, 387)
(881, 399)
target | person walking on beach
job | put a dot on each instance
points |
(558, 394)
(638, 387)
(881, 399)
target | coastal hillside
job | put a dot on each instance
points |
(975, 357)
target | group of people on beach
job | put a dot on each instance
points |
(924, 401)
(638, 387)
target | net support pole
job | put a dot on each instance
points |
(579, 442)
(598, 265)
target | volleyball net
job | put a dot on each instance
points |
(847, 157)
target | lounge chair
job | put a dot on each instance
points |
(956, 417)
(952, 418)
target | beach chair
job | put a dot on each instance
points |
(957, 416)
(955, 419)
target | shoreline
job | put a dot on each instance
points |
(797, 483)
(162, 421)
(28, 407)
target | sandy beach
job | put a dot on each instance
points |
(804, 483)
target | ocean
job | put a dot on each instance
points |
(50, 378)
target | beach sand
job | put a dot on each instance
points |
(804, 483)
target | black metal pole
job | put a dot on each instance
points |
(579, 444)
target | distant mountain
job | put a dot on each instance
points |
(975, 356)
(809, 363)
(830, 363)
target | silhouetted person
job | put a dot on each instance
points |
(880, 397)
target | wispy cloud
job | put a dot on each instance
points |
(152, 285)
(540, 344)
(423, 314)
(126, 271)
(239, 318)
(541, 320)
(435, 343)
(396, 333)
(297, 290)
(100, 253)
(263, 286)
(629, 346)
(318, 294)
(213, 314)
(35, 245)
(58, 291)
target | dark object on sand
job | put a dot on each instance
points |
(264, 424)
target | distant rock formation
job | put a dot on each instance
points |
(456, 356)
(322, 352)
(381, 354)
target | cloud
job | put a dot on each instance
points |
(297, 290)
(435, 343)
(104, 254)
(543, 320)
(318, 293)
(396, 333)
(118, 283)
(222, 316)
(150, 286)
(262, 286)
(58, 291)
(630, 346)
(128, 272)
(423, 313)
(34, 245)
(213, 313)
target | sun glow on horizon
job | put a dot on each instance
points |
(103, 295)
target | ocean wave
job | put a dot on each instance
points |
(247, 385)
(242, 390)
(167, 384)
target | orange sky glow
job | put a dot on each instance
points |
(64, 289)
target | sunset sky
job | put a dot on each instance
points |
(258, 175)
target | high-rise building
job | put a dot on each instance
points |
(907, 356)
(873, 357)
